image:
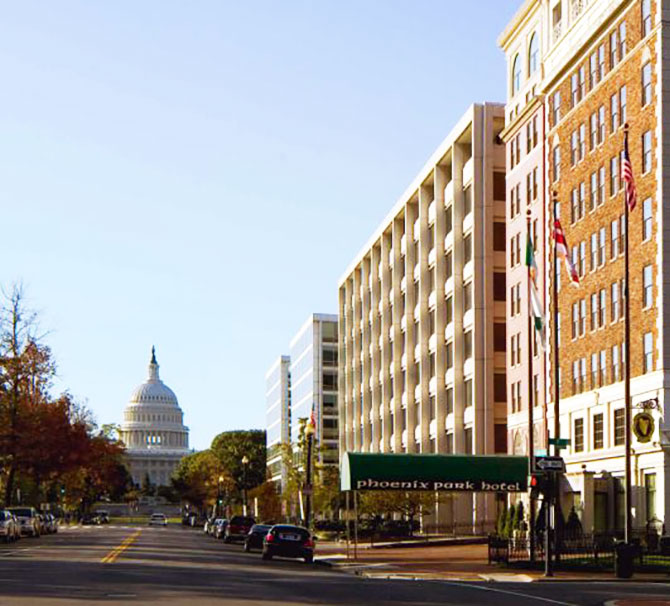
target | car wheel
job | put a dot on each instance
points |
(266, 556)
(309, 559)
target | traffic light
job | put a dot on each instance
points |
(541, 484)
(62, 491)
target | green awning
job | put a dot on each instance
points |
(445, 473)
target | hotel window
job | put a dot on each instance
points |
(593, 70)
(614, 112)
(575, 320)
(601, 62)
(536, 390)
(622, 231)
(614, 244)
(500, 387)
(646, 152)
(602, 307)
(499, 236)
(646, 219)
(594, 252)
(601, 124)
(602, 245)
(594, 311)
(467, 200)
(619, 427)
(516, 75)
(467, 388)
(593, 131)
(601, 185)
(450, 442)
(574, 148)
(594, 370)
(614, 49)
(582, 141)
(622, 40)
(616, 368)
(448, 266)
(467, 249)
(431, 365)
(467, 297)
(499, 336)
(556, 107)
(614, 307)
(449, 310)
(431, 321)
(449, 219)
(647, 286)
(582, 317)
(646, 17)
(593, 194)
(449, 355)
(603, 367)
(623, 104)
(467, 345)
(578, 435)
(450, 400)
(648, 360)
(646, 84)
(556, 163)
(598, 431)
(614, 175)
(650, 495)
(582, 257)
(468, 440)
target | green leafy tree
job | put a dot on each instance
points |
(511, 517)
(196, 480)
(269, 503)
(501, 526)
(230, 447)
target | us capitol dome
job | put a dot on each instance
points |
(153, 430)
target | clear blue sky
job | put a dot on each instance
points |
(198, 175)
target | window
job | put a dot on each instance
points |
(575, 378)
(619, 427)
(467, 248)
(614, 242)
(449, 219)
(601, 124)
(449, 354)
(614, 112)
(598, 431)
(516, 75)
(500, 387)
(648, 360)
(467, 345)
(578, 435)
(646, 152)
(468, 440)
(601, 61)
(622, 105)
(622, 40)
(574, 148)
(650, 495)
(594, 311)
(602, 307)
(593, 70)
(499, 336)
(450, 400)
(467, 388)
(646, 219)
(449, 268)
(533, 55)
(616, 368)
(593, 198)
(467, 200)
(603, 367)
(614, 175)
(556, 163)
(646, 84)
(614, 49)
(594, 370)
(467, 297)
(593, 131)
(614, 307)
(601, 185)
(582, 258)
(556, 107)
(582, 317)
(647, 286)
(594, 252)
(602, 243)
(582, 141)
(575, 320)
(646, 17)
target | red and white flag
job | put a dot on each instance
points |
(563, 250)
(627, 175)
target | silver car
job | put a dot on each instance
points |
(9, 526)
(29, 521)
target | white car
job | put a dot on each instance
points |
(157, 519)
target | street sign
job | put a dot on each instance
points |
(551, 464)
(559, 441)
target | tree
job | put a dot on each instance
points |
(269, 504)
(327, 494)
(407, 504)
(196, 479)
(230, 447)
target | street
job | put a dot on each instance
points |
(169, 566)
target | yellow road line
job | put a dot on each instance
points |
(117, 551)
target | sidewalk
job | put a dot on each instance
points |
(448, 563)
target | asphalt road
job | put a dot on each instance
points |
(178, 566)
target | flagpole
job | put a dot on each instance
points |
(628, 530)
(531, 449)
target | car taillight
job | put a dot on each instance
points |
(269, 538)
(309, 543)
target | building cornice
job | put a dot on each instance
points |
(516, 23)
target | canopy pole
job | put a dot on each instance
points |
(346, 501)
(355, 525)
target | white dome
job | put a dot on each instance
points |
(153, 391)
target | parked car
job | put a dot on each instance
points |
(29, 521)
(158, 519)
(50, 523)
(238, 528)
(289, 542)
(103, 516)
(17, 527)
(254, 539)
(89, 519)
(220, 525)
(8, 526)
(210, 525)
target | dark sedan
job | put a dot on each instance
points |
(289, 542)
(255, 537)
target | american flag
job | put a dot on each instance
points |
(312, 417)
(627, 175)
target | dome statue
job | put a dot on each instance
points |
(153, 430)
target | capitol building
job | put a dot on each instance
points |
(153, 430)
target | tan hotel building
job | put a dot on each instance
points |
(598, 64)
(422, 316)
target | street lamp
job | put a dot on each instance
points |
(218, 497)
(310, 429)
(245, 463)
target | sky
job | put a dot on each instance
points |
(198, 175)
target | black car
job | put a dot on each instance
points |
(255, 537)
(288, 542)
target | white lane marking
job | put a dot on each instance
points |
(516, 593)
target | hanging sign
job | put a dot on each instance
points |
(643, 426)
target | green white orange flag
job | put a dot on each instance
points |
(535, 308)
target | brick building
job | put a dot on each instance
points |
(600, 67)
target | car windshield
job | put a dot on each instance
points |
(19, 511)
(290, 530)
(157, 516)
(258, 528)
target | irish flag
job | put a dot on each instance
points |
(535, 306)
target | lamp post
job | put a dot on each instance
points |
(218, 497)
(245, 463)
(307, 490)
